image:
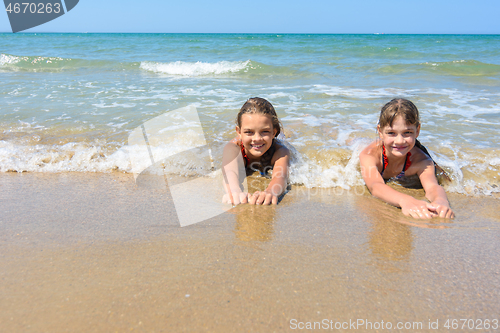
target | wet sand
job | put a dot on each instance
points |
(97, 253)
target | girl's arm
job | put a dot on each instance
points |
(434, 192)
(377, 187)
(233, 172)
(278, 182)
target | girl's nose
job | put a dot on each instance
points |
(399, 139)
(257, 137)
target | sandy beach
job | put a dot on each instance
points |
(97, 253)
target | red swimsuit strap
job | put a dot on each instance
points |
(386, 160)
(407, 162)
(245, 157)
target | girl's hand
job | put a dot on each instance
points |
(262, 198)
(418, 209)
(238, 198)
(443, 209)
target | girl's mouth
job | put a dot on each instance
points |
(257, 147)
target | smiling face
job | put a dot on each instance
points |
(256, 134)
(399, 138)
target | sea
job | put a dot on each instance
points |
(70, 102)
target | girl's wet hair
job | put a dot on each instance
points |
(406, 109)
(399, 107)
(257, 105)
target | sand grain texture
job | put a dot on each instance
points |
(96, 253)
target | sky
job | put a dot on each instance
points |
(278, 16)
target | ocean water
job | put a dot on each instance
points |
(70, 101)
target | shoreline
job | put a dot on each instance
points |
(95, 252)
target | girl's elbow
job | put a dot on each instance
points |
(375, 189)
(368, 184)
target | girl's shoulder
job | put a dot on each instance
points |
(420, 161)
(236, 141)
(372, 155)
(281, 147)
(280, 151)
(373, 149)
(418, 156)
(234, 144)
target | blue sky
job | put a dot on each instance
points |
(290, 16)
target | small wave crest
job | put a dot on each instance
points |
(10, 62)
(464, 68)
(454, 68)
(14, 63)
(181, 68)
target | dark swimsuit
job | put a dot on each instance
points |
(439, 170)
(265, 164)
(386, 163)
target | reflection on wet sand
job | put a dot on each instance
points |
(377, 210)
(391, 237)
(254, 223)
(389, 240)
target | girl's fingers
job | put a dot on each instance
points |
(226, 199)
(420, 213)
(442, 211)
(262, 198)
(412, 213)
(445, 212)
(257, 198)
(252, 198)
(432, 208)
(269, 199)
(429, 211)
(275, 200)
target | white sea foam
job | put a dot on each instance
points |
(495, 161)
(309, 120)
(79, 157)
(310, 173)
(113, 105)
(189, 69)
(360, 93)
(342, 172)
(6, 59)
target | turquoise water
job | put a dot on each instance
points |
(69, 101)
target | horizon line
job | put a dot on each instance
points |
(252, 33)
